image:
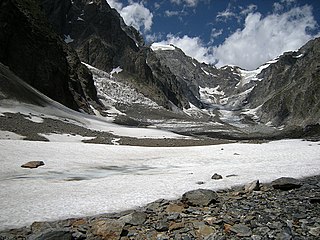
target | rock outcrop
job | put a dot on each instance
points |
(289, 93)
(34, 52)
(101, 39)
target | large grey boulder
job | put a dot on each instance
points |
(286, 183)
(200, 197)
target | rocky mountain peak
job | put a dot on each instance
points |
(289, 93)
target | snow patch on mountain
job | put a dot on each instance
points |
(110, 91)
(116, 70)
(248, 76)
(163, 47)
(252, 113)
(211, 95)
(68, 39)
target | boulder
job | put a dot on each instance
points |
(286, 183)
(52, 234)
(216, 176)
(135, 218)
(200, 197)
(32, 164)
(107, 229)
(241, 230)
(252, 186)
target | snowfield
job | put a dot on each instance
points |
(81, 179)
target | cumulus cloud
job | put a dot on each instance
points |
(135, 14)
(263, 39)
(192, 46)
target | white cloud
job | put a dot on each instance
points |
(169, 13)
(224, 15)
(251, 8)
(215, 33)
(191, 46)
(262, 39)
(153, 37)
(189, 3)
(135, 14)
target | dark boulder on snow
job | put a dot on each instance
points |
(200, 197)
(286, 183)
(33, 164)
(216, 176)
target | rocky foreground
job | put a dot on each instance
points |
(284, 209)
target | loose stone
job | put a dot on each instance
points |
(32, 164)
(216, 176)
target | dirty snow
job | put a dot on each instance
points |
(111, 91)
(116, 70)
(83, 179)
(55, 137)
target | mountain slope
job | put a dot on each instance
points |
(289, 93)
(136, 80)
(33, 51)
(101, 39)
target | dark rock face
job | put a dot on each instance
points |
(290, 90)
(191, 75)
(101, 39)
(36, 54)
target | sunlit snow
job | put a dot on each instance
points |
(163, 47)
(116, 70)
(68, 39)
(82, 179)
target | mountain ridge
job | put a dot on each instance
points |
(281, 94)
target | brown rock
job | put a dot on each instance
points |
(32, 164)
(175, 208)
(107, 229)
(205, 230)
(253, 186)
(226, 228)
(175, 226)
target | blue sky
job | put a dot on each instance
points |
(246, 33)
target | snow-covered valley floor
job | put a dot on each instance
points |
(86, 179)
